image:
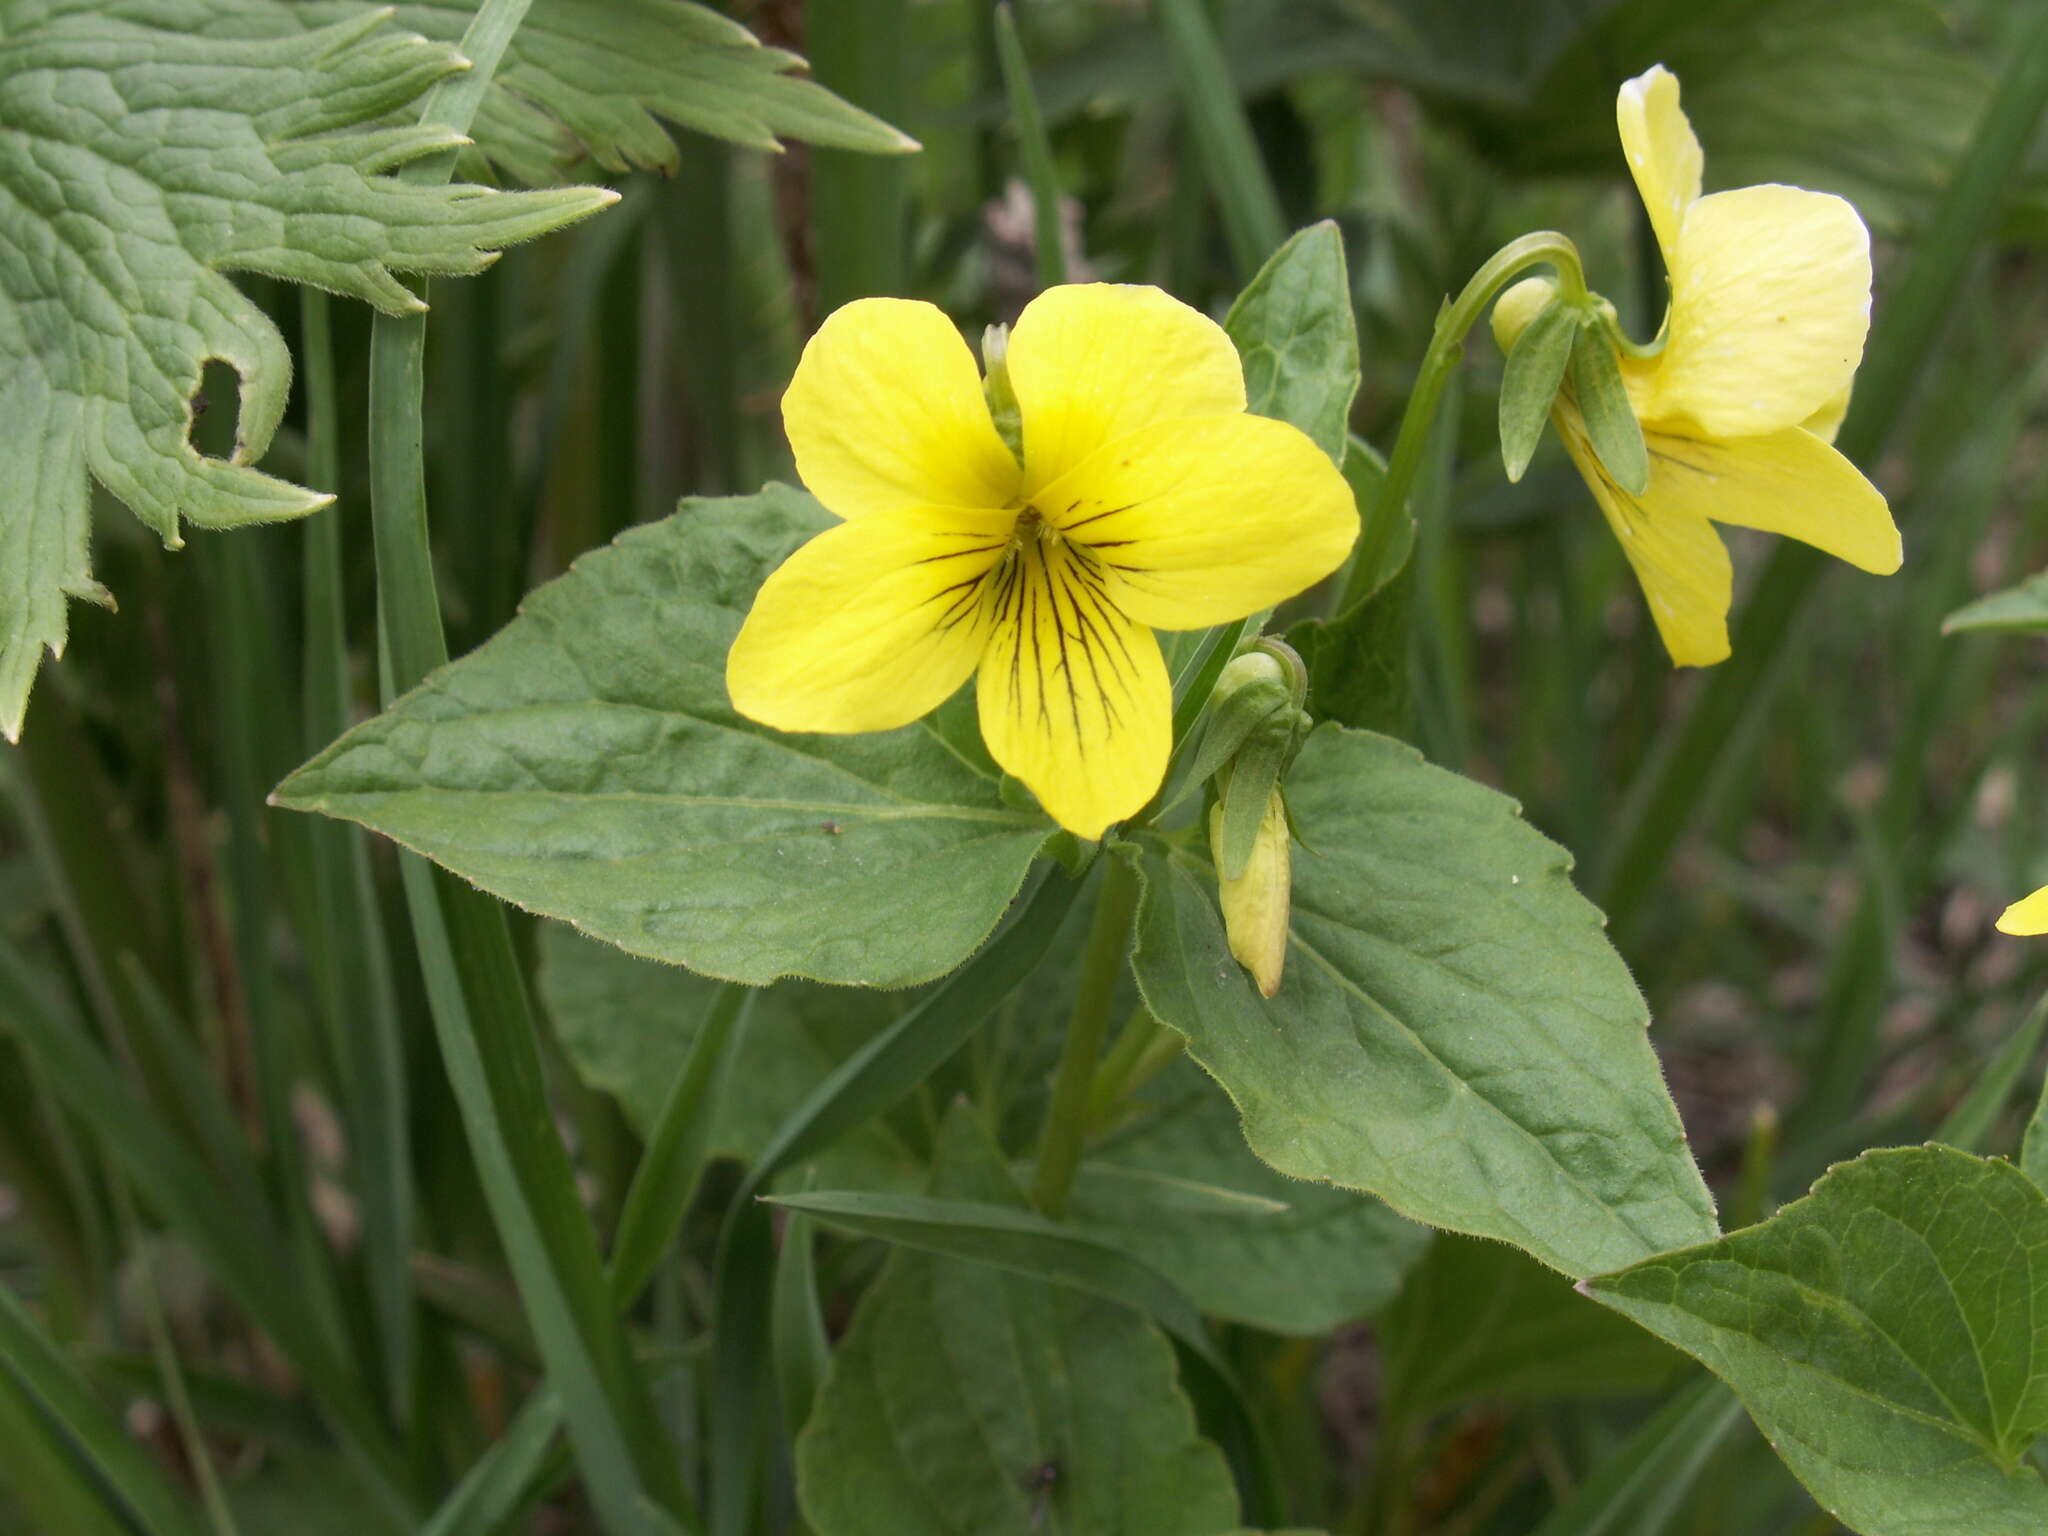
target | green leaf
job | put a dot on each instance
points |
(1885, 1333)
(1454, 1034)
(1479, 1322)
(2020, 610)
(1611, 425)
(596, 77)
(1535, 368)
(964, 1402)
(1261, 1249)
(1358, 661)
(586, 764)
(610, 72)
(142, 162)
(628, 1025)
(1294, 329)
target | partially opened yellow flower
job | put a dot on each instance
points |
(1770, 304)
(2026, 917)
(1147, 498)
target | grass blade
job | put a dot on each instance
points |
(1252, 219)
(869, 1082)
(1666, 1454)
(676, 1152)
(43, 1371)
(1971, 1122)
(1040, 174)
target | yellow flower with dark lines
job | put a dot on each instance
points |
(1145, 497)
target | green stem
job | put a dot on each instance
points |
(1102, 967)
(1109, 1089)
(1446, 348)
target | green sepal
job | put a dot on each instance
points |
(2020, 610)
(1535, 369)
(1254, 775)
(1611, 425)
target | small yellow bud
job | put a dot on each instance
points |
(1255, 904)
(1522, 303)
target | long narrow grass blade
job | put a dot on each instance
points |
(41, 1368)
(1665, 1454)
(676, 1151)
(1970, 1123)
(860, 204)
(1040, 174)
(239, 1243)
(868, 1083)
(1244, 191)
(348, 945)
(477, 994)
(60, 1497)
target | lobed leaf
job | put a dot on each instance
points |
(1454, 1034)
(1887, 1335)
(140, 160)
(586, 764)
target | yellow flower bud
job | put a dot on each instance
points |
(1522, 303)
(1255, 904)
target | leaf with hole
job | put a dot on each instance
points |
(140, 160)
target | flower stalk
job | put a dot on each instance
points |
(1067, 1117)
(1446, 347)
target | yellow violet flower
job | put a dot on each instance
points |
(1770, 304)
(1147, 498)
(2026, 917)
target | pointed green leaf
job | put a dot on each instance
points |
(1279, 1254)
(966, 1402)
(602, 78)
(1453, 1034)
(586, 764)
(140, 161)
(629, 1025)
(1887, 1335)
(1358, 660)
(611, 72)
(1479, 1322)
(1294, 329)
(1535, 368)
(1611, 425)
(2020, 610)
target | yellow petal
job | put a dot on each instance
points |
(1092, 362)
(1677, 557)
(871, 624)
(1789, 482)
(1663, 155)
(1827, 421)
(1073, 693)
(1203, 521)
(2026, 917)
(1770, 303)
(886, 411)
